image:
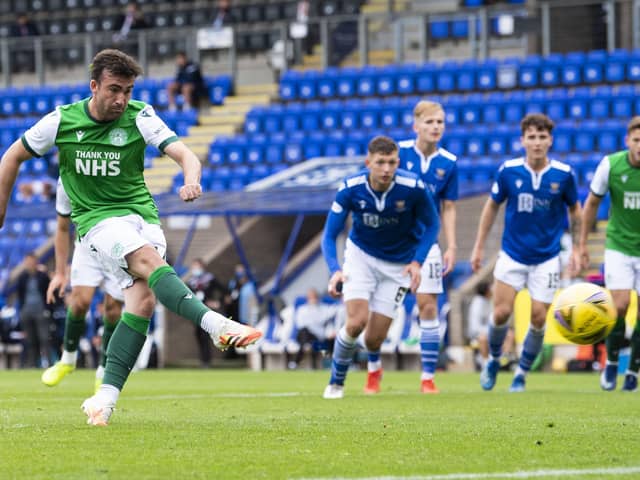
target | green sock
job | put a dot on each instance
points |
(634, 359)
(175, 295)
(614, 340)
(107, 331)
(73, 330)
(125, 345)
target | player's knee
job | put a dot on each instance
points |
(146, 305)
(373, 342)
(501, 313)
(112, 310)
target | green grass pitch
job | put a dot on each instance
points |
(234, 424)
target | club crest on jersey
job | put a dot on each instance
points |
(118, 137)
(518, 183)
(400, 206)
(440, 173)
(555, 187)
(116, 250)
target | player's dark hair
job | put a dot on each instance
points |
(383, 145)
(633, 124)
(115, 62)
(539, 121)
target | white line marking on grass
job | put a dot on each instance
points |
(482, 476)
(213, 395)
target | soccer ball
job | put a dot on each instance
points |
(584, 313)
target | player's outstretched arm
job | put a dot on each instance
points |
(487, 217)
(9, 165)
(191, 168)
(591, 205)
(575, 220)
(413, 270)
(61, 254)
(449, 229)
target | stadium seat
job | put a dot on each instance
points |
(406, 79)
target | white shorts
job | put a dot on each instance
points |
(621, 272)
(87, 272)
(379, 282)
(542, 279)
(111, 240)
(431, 272)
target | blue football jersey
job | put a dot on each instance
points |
(536, 208)
(398, 225)
(439, 171)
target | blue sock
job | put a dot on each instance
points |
(429, 346)
(497, 334)
(374, 363)
(531, 348)
(343, 351)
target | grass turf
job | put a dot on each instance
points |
(202, 424)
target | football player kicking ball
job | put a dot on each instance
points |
(86, 276)
(537, 192)
(395, 222)
(619, 175)
(101, 142)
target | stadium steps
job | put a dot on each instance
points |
(226, 119)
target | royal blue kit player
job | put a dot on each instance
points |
(437, 168)
(394, 223)
(537, 192)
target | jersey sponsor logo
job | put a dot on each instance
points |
(79, 135)
(631, 200)
(373, 220)
(118, 137)
(97, 163)
(528, 203)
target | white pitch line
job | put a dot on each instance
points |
(483, 476)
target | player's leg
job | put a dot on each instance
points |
(543, 281)
(360, 283)
(619, 279)
(427, 297)
(74, 327)
(113, 308)
(631, 375)
(141, 255)
(124, 347)
(510, 277)
(374, 336)
(386, 299)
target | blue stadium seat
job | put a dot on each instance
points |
(615, 67)
(307, 85)
(406, 79)
(486, 75)
(346, 82)
(439, 29)
(330, 115)
(366, 83)
(476, 145)
(466, 76)
(445, 77)
(386, 81)
(529, 71)
(425, 78)
(288, 88)
(593, 70)
(550, 70)
(562, 140)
